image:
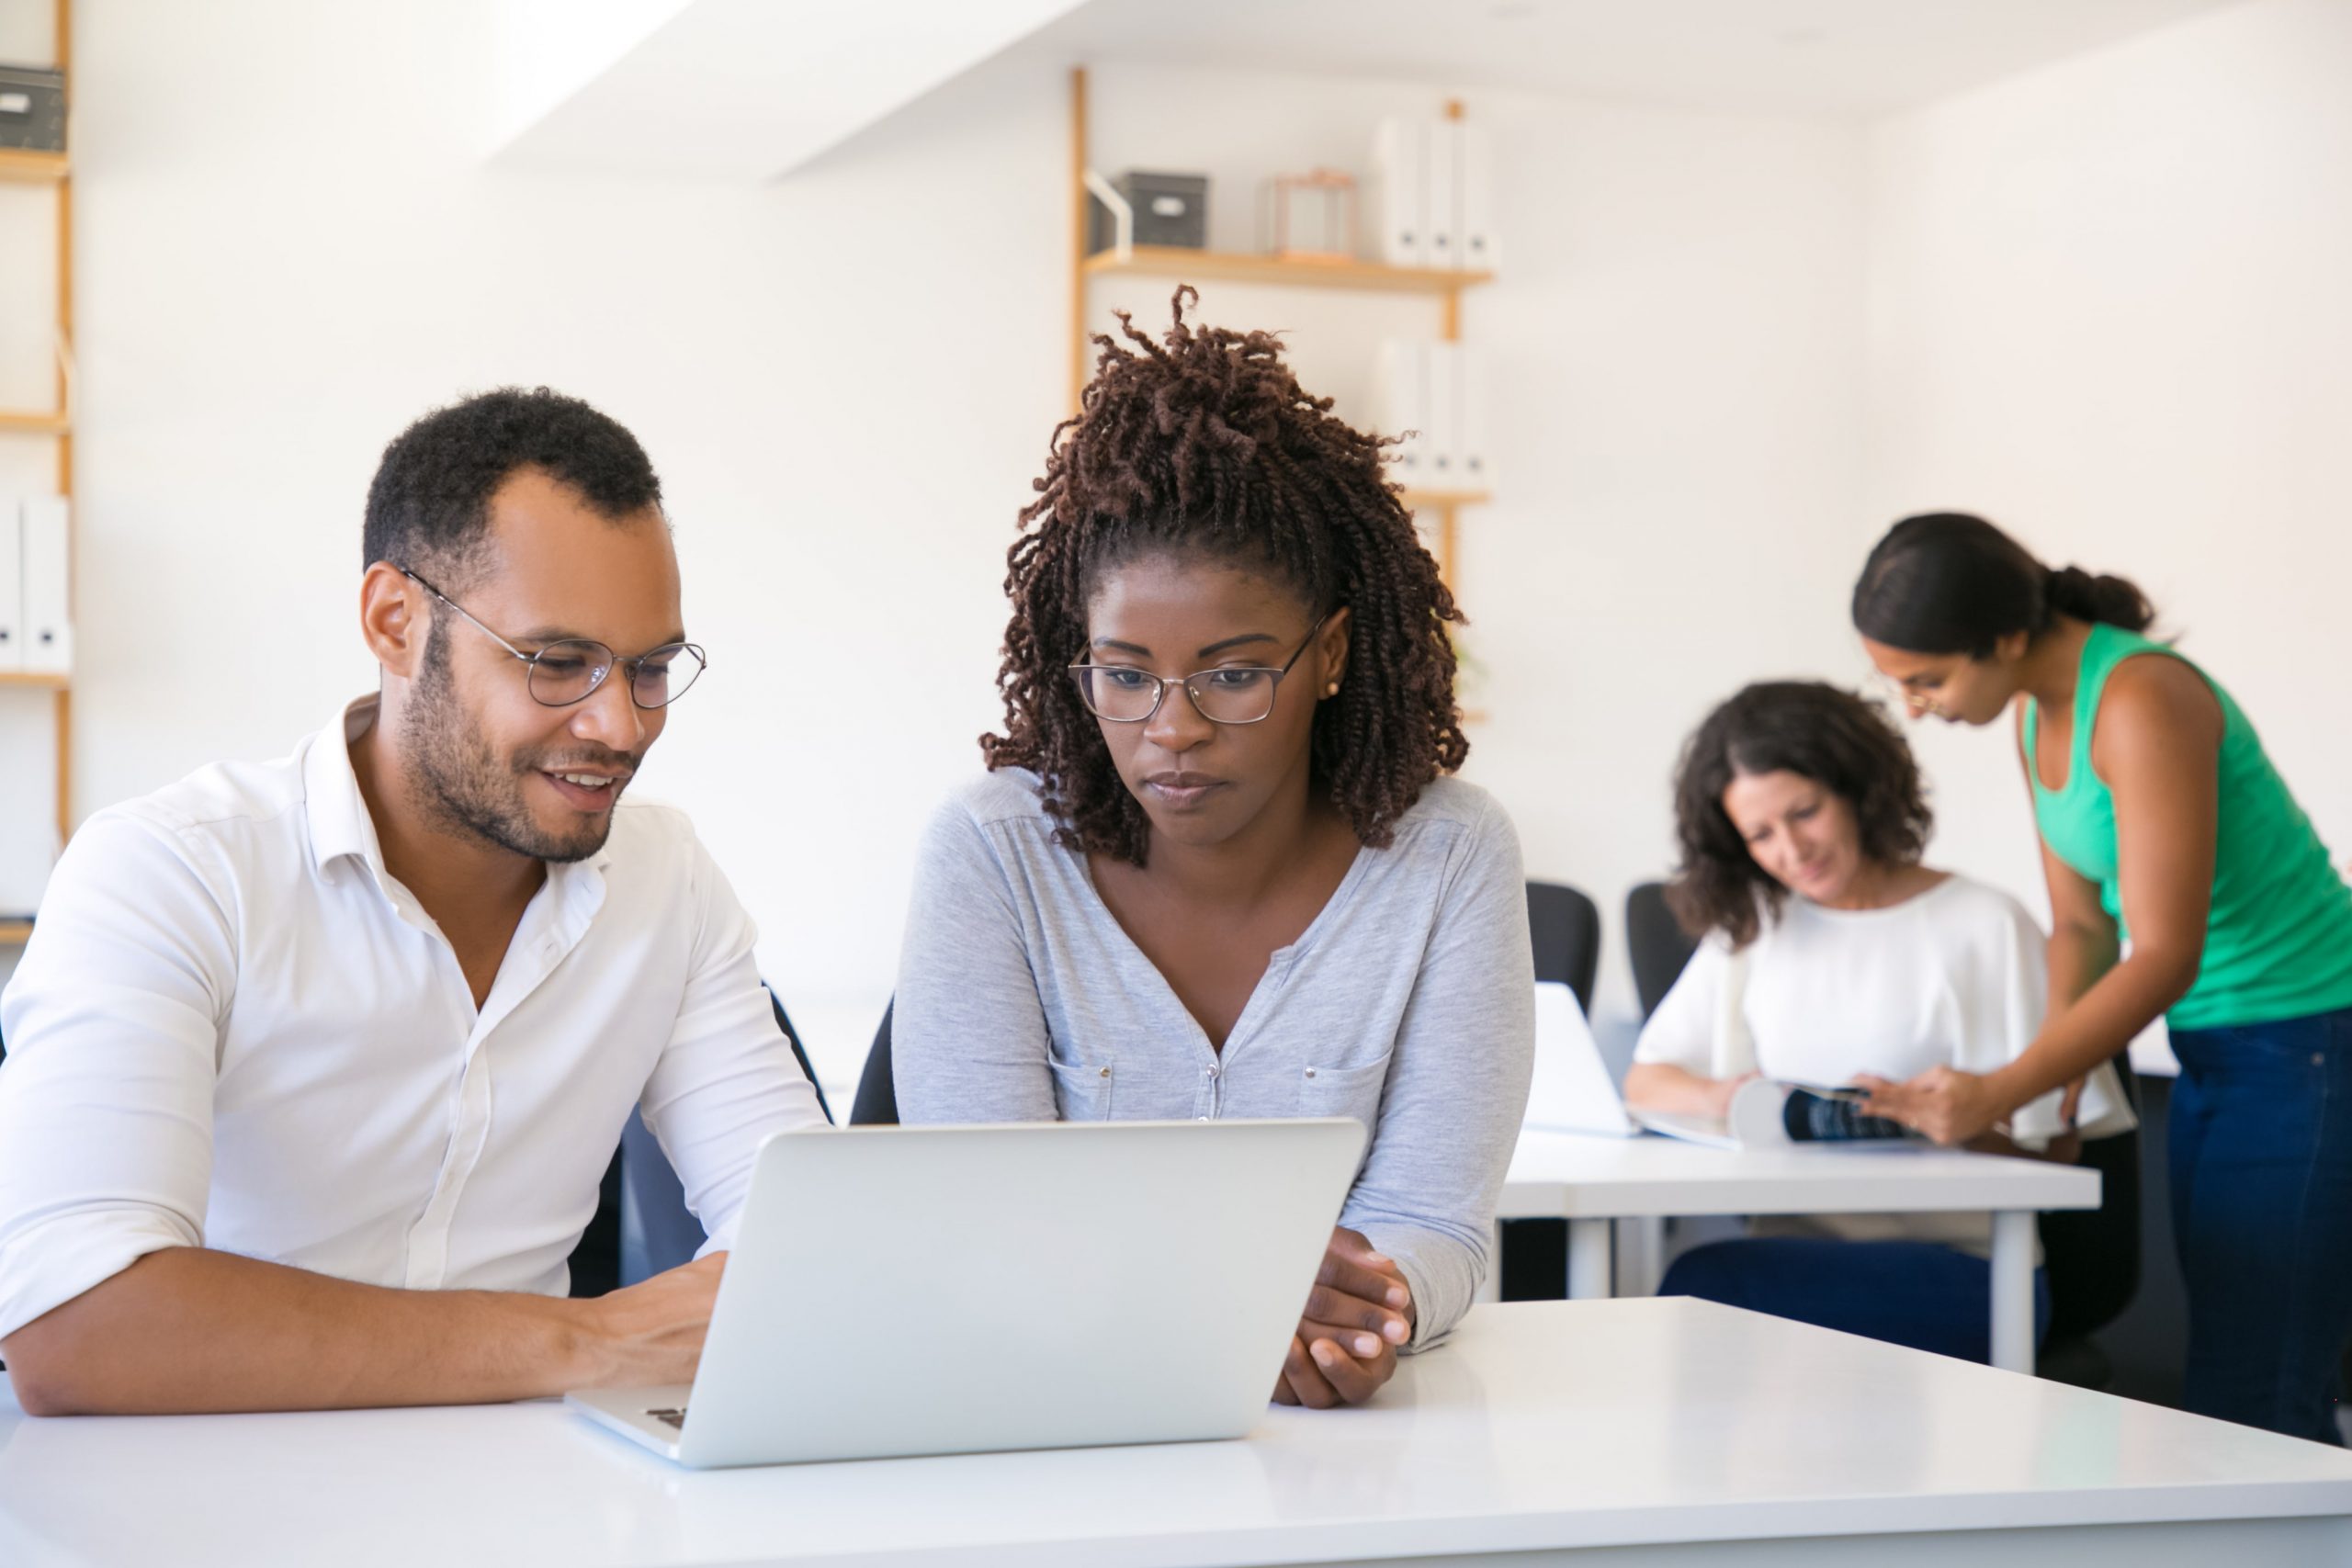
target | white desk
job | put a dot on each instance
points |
(1590, 1180)
(1609, 1434)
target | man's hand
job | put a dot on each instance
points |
(1359, 1312)
(651, 1332)
(1943, 1103)
(186, 1330)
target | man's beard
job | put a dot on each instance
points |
(466, 788)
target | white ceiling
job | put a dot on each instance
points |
(750, 89)
(725, 89)
(1838, 57)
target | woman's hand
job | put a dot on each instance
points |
(1656, 1085)
(1721, 1092)
(1943, 1103)
(1359, 1312)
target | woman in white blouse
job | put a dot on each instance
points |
(1830, 954)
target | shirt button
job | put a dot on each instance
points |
(1310, 1072)
(1106, 1072)
(1200, 1118)
(1212, 1072)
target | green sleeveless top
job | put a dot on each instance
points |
(2279, 937)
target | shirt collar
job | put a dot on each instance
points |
(340, 825)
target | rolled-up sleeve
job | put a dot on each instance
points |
(112, 1024)
(1456, 1090)
(727, 1078)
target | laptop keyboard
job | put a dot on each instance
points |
(671, 1417)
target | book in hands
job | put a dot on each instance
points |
(1767, 1113)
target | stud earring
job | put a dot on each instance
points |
(1332, 690)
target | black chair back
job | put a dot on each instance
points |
(642, 1224)
(1565, 927)
(2093, 1255)
(799, 1054)
(877, 1090)
(1656, 944)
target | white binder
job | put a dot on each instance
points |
(12, 585)
(1474, 462)
(1399, 192)
(1400, 407)
(1474, 199)
(1442, 155)
(1444, 432)
(47, 567)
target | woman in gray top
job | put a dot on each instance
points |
(1215, 868)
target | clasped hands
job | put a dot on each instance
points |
(1357, 1313)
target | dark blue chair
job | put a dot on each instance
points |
(642, 1224)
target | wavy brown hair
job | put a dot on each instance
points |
(1202, 442)
(1842, 742)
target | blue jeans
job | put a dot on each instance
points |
(1918, 1293)
(2261, 1142)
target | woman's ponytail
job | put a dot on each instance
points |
(1946, 583)
(2116, 601)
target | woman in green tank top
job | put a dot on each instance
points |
(2164, 828)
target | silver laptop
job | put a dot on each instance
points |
(1571, 1091)
(953, 1290)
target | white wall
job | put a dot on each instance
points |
(1677, 352)
(2109, 309)
(28, 467)
(847, 380)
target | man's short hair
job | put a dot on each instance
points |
(428, 508)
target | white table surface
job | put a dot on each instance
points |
(1592, 1179)
(1711, 1434)
(1585, 1175)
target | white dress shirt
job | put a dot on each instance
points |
(234, 1029)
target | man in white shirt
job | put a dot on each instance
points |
(314, 1066)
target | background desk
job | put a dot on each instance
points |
(1650, 1432)
(1591, 1181)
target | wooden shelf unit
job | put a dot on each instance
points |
(1189, 265)
(1178, 261)
(56, 170)
(15, 933)
(19, 166)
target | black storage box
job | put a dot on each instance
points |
(1170, 209)
(32, 108)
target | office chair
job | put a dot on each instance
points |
(876, 1104)
(642, 1224)
(1565, 927)
(1655, 943)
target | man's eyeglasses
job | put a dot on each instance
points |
(1235, 694)
(566, 672)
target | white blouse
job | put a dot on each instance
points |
(1954, 976)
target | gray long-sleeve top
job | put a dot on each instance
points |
(1408, 1003)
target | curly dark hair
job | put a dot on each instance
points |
(1838, 741)
(428, 507)
(1206, 443)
